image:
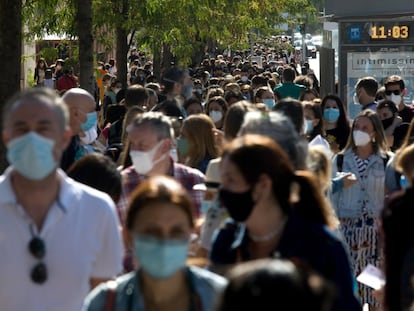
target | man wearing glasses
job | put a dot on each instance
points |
(58, 238)
(395, 91)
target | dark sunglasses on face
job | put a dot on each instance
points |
(37, 248)
(395, 92)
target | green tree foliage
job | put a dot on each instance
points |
(185, 28)
(188, 25)
(49, 17)
(52, 17)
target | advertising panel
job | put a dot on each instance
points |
(379, 65)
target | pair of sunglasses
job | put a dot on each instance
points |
(395, 92)
(37, 248)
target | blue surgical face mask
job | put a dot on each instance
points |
(404, 182)
(246, 96)
(182, 146)
(188, 91)
(309, 126)
(331, 114)
(269, 102)
(205, 206)
(160, 258)
(32, 155)
(91, 121)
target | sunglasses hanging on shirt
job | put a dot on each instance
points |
(37, 249)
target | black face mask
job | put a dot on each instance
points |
(387, 122)
(238, 204)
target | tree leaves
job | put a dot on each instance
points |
(184, 25)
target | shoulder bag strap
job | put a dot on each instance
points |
(110, 296)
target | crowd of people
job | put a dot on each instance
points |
(229, 185)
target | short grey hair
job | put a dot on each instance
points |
(161, 124)
(281, 129)
(39, 94)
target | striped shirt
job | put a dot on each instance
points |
(186, 175)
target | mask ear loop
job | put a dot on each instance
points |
(154, 150)
(294, 193)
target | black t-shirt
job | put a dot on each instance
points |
(399, 135)
(70, 154)
(406, 114)
(338, 137)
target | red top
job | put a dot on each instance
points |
(66, 82)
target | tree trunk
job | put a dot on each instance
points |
(198, 54)
(121, 55)
(84, 29)
(156, 62)
(167, 58)
(10, 53)
(121, 40)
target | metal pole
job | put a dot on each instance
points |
(303, 54)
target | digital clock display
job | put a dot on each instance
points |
(381, 32)
(384, 32)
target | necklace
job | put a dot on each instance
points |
(268, 236)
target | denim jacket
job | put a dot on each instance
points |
(367, 194)
(205, 284)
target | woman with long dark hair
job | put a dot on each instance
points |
(277, 212)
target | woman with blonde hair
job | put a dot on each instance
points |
(358, 206)
(196, 144)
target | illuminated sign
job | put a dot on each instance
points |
(381, 32)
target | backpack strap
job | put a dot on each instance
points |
(339, 162)
(111, 296)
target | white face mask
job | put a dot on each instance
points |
(361, 138)
(356, 99)
(396, 99)
(90, 136)
(215, 115)
(173, 154)
(143, 160)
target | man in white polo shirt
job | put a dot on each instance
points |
(58, 238)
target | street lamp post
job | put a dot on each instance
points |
(302, 30)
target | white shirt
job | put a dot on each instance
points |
(82, 238)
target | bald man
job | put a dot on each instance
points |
(82, 120)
